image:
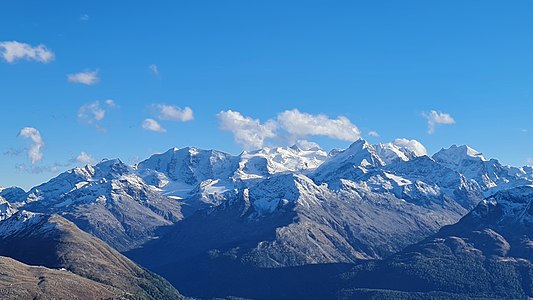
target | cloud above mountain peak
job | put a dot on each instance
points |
(301, 125)
(249, 132)
(291, 125)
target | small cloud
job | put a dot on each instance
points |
(373, 133)
(434, 118)
(91, 113)
(152, 125)
(153, 68)
(412, 145)
(301, 125)
(111, 103)
(85, 158)
(12, 51)
(524, 130)
(84, 17)
(87, 78)
(251, 133)
(37, 143)
(173, 113)
(529, 161)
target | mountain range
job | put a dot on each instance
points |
(189, 213)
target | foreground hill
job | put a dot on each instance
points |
(54, 242)
(21, 281)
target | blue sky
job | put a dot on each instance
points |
(381, 65)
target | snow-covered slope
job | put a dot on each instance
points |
(489, 174)
(509, 212)
(386, 168)
(6, 209)
(389, 153)
(268, 161)
(178, 171)
(108, 200)
(20, 222)
(350, 163)
(204, 178)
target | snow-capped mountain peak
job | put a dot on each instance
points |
(19, 221)
(360, 153)
(389, 153)
(350, 163)
(490, 174)
(189, 165)
(457, 154)
(110, 169)
(268, 161)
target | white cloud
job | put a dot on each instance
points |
(12, 51)
(291, 125)
(84, 17)
(174, 113)
(35, 150)
(153, 68)
(87, 78)
(413, 145)
(434, 118)
(91, 113)
(85, 158)
(247, 131)
(373, 133)
(152, 125)
(529, 161)
(301, 125)
(111, 103)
